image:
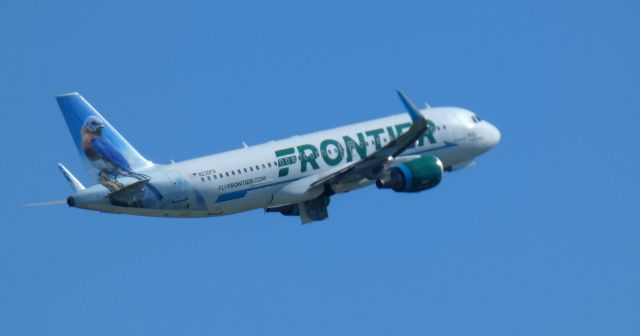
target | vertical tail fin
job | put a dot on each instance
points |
(105, 152)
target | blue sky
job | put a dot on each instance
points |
(540, 238)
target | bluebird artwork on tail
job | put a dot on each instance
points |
(126, 180)
(100, 151)
(105, 152)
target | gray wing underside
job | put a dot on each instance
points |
(371, 166)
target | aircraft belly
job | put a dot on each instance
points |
(253, 199)
(151, 212)
(346, 187)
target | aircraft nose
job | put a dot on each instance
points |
(492, 136)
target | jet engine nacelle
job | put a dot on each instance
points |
(413, 176)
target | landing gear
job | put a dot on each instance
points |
(309, 211)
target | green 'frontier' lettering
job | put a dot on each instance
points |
(428, 134)
(308, 158)
(284, 171)
(325, 155)
(392, 134)
(309, 154)
(351, 144)
(375, 133)
(400, 128)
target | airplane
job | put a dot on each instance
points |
(297, 176)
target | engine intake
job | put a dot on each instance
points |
(413, 176)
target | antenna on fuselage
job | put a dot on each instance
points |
(245, 144)
(426, 104)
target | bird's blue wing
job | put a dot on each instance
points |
(105, 149)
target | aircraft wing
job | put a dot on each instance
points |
(371, 166)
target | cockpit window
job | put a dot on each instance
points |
(477, 117)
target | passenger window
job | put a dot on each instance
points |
(257, 167)
(251, 168)
(263, 166)
(269, 164)
(227, 173)
(215, 177)
(220, 175)
(202, 178)
(245, 170)
(233, 173)
(209, 177)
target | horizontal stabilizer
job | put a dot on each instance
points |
(73, 181)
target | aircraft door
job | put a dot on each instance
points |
(179, 198)
(454, 129)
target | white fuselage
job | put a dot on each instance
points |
(251, 177)
(295, 176)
